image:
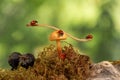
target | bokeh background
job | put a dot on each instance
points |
(77, 17)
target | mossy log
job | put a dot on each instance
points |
(76, 66)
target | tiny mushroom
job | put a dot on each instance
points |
(57, 36)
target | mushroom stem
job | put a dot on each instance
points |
(54, 28)
(77, 39)
(45, 25)
(59, 49)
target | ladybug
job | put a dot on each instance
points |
(89, 36)
(60, 32)
(33, 23)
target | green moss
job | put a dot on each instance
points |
(48, 66)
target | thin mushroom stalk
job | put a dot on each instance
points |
(59, 49)
(35, 24)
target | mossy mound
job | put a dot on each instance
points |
(48, 66)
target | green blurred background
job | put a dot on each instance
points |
(77, 17)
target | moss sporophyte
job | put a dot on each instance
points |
(58, 35)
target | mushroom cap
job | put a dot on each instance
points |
(58, 35)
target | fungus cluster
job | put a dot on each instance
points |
(25, 60)
(59, 35)
(14, 60)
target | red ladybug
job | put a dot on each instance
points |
(33, 23)
(60, 33)
(62, 56)
(89, 36)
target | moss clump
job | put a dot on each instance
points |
(48, 66)
(75, 66)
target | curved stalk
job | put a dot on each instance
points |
(45, 25)
(54, 28)
(78, 39)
